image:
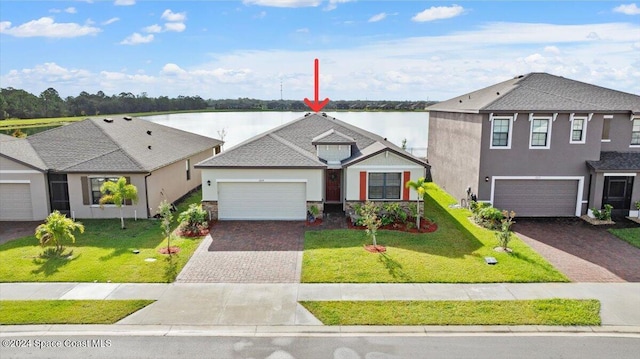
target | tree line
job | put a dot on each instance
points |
(17, 103)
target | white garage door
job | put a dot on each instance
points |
(262, 200)
(537, 198)
(15, 202)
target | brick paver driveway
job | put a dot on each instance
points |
(584, 253)
(248, 252)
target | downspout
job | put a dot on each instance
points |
(146, 195)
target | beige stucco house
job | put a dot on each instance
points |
(63, 168)
(311, 161)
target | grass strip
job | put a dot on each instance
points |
(564, 312)
(22, 312)
(630, 235)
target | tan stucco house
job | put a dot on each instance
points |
(313, 160)
(63, 168)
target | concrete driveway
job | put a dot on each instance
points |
(248, 252)
(583, 252)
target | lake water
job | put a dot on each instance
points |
(240, 126)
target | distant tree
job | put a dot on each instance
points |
(56, 229)
(117, 193)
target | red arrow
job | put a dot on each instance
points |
(315, 105)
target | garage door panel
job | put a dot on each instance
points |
(15, 202)
(262, 200)
(537, 198)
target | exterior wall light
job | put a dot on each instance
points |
(486, 179)
(208, 182)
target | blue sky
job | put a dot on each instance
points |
(414, 50)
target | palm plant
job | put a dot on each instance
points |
(420, 186)
(117, 193)
(56, 229)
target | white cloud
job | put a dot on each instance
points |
(333, 4)
(438, 13)
(70, 10)
(552, 49)
(174, 16)
(283, 3)
(434, 67)
(47, 27)
(124, 2)
(174, 26)
(378, 17)
(155, 28)
(136, 39)
(111, 21)
(631, 9)
(261, 15)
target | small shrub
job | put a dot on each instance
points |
(193, 218)
(604, 214)
(413, 209)
(490, 217)
(314, 210)
(637, 204)
(504, 233)
(371, 220)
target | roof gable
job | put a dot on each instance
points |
(332, 137)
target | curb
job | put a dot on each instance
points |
(285, 330)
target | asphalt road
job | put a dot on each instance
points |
(313, 347)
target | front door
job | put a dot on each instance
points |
(617, 192)
(334, 178)
(59, 193)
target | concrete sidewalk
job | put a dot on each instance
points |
(224, 305)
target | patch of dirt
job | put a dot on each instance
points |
(317, 222)
(503, 250)
(426, 226)
(172, 250)
(375, 249)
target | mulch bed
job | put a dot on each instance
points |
(375, 249)
(171, 250)
(426, 226)
(201, 232)
(317, 222)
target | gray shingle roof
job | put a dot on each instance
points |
(332, 137)
(618, 161)
(291, 145)
(542, 92)
(20, 150)
(94, 145)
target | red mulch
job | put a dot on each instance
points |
(317, 222)
(172, 250)
(375, 249)
(426, 226)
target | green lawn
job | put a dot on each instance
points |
(67, 311)
(631, 235)
(511, 312)
(453, 254)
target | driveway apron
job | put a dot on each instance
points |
(248, 252)
(583, 252)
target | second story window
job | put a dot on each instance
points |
(578, 129)
(606, 125)
(635, 132)
(501, 132)
(540, 132)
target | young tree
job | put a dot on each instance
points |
(165, 213)
(117, 193)
(420, 186)
(56, 229)
(370, 220)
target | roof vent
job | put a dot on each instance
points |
(127, 118)
(498, 93)
(324, 114)
(460, 101)
(307, 114)
(108, 120)
(149, 132)
(149, 147)
(519, 77)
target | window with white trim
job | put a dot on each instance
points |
(578, 129)
(96, 183)
(501, 132)
(540, 132)
(385, 185)
(635, 132)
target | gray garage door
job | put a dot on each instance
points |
(537, 198)
(15, 202)
(262, 201)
